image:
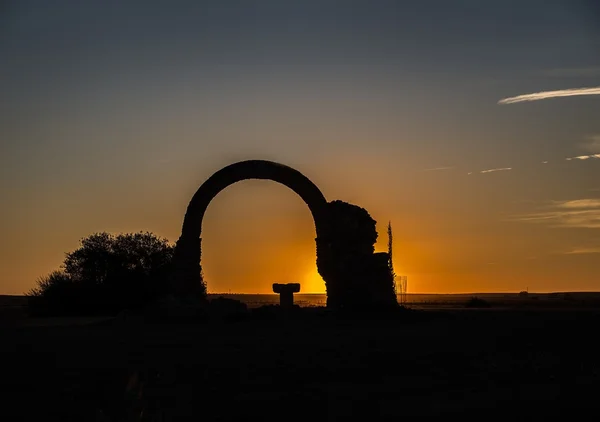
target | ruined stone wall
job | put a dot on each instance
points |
(355, 276)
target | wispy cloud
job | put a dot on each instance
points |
(439, 168)
(583, 157)
(579, 251)
(498, 169)
(579, 203)
(544, 95)
(581, 213)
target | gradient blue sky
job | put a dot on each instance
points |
(114, 112)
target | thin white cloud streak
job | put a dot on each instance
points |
(498, 169)
(593, 143)
(544, 95)
(581, 251)
(589, 219)
(579, 203)
(583, 157)
(579, 213)
(439, 168)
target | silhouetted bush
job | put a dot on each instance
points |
(476, 302)
(105, 275)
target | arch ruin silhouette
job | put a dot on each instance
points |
(345, 238)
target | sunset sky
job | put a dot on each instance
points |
(113, 113)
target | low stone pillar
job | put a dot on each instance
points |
(286, 293)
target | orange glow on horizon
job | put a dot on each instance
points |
(256, 233)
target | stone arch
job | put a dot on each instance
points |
(187, 277)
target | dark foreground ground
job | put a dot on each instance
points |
(482, 364)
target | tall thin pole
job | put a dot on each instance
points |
(390, 261)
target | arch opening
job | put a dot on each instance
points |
(256, 233)
(188, 271)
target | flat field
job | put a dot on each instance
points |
(481, 363)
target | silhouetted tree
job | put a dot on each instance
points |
(107, 273)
